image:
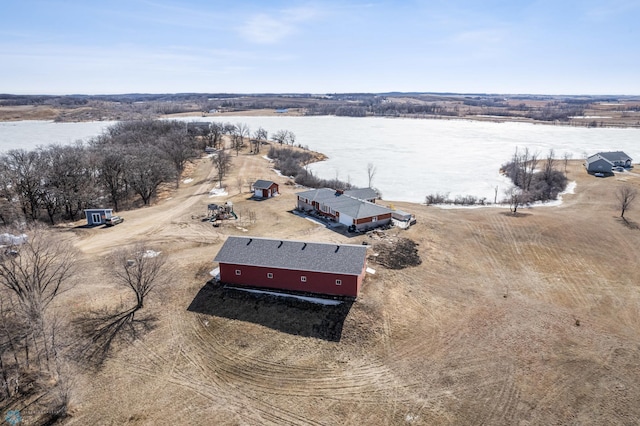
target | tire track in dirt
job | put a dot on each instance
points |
(396, 348)
(147, 363)
(361, 383)
(492, 267)
(504, 402)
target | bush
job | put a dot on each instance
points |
(463, 200)
(290, 162)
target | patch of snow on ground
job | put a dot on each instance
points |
(571, 188)
(15, 240)
(187, 180)
(218, 192)
(151, 253)
(215, 273)
(305, 298)
(276, 171)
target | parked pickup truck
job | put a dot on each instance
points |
(113, 220)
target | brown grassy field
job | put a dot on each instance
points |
(484, 331)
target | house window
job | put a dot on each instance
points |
(303, 279)
(96, 218)
(338, 282)
(238, 272)
(374, 219)
(269, 275)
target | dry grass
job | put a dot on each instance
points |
(484, 331)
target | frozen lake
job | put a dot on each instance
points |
(416, 157)
(31, 134)
(413, 157)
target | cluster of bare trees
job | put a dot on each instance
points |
(285, 137)
(294, 162)
(33, 273)
(533, 183)
(39, 345)
(132, 159)
(125, 165)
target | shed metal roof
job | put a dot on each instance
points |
(263, 184)
(347, 259)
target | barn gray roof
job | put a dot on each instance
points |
(348, 259)
(262, 184)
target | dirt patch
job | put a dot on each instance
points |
(397, 253)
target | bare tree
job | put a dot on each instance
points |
(625, 196)
(241, 131)
(140, 269)
(23, 169)
(291, 138)
(37, 268)
(371, 172)
(530, 162)
(146, 171)
(258, 136)
(111, 173)
(280, 136)
(516, 197)
(566, 157)
(239, 184)
(284, 137)
(179, 149)
(222, 162)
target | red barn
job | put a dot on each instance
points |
(322, 268)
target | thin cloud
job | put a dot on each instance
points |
(612, 9)
(266, 28)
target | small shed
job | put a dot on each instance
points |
(97, 216)
(265, 188)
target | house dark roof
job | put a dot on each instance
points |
(362, 193)
(615, 156)
(262, 184)
(596, 157)
(348, 259)
(343, 203)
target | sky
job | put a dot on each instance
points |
(569, 47)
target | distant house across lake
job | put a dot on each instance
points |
(604, 162)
